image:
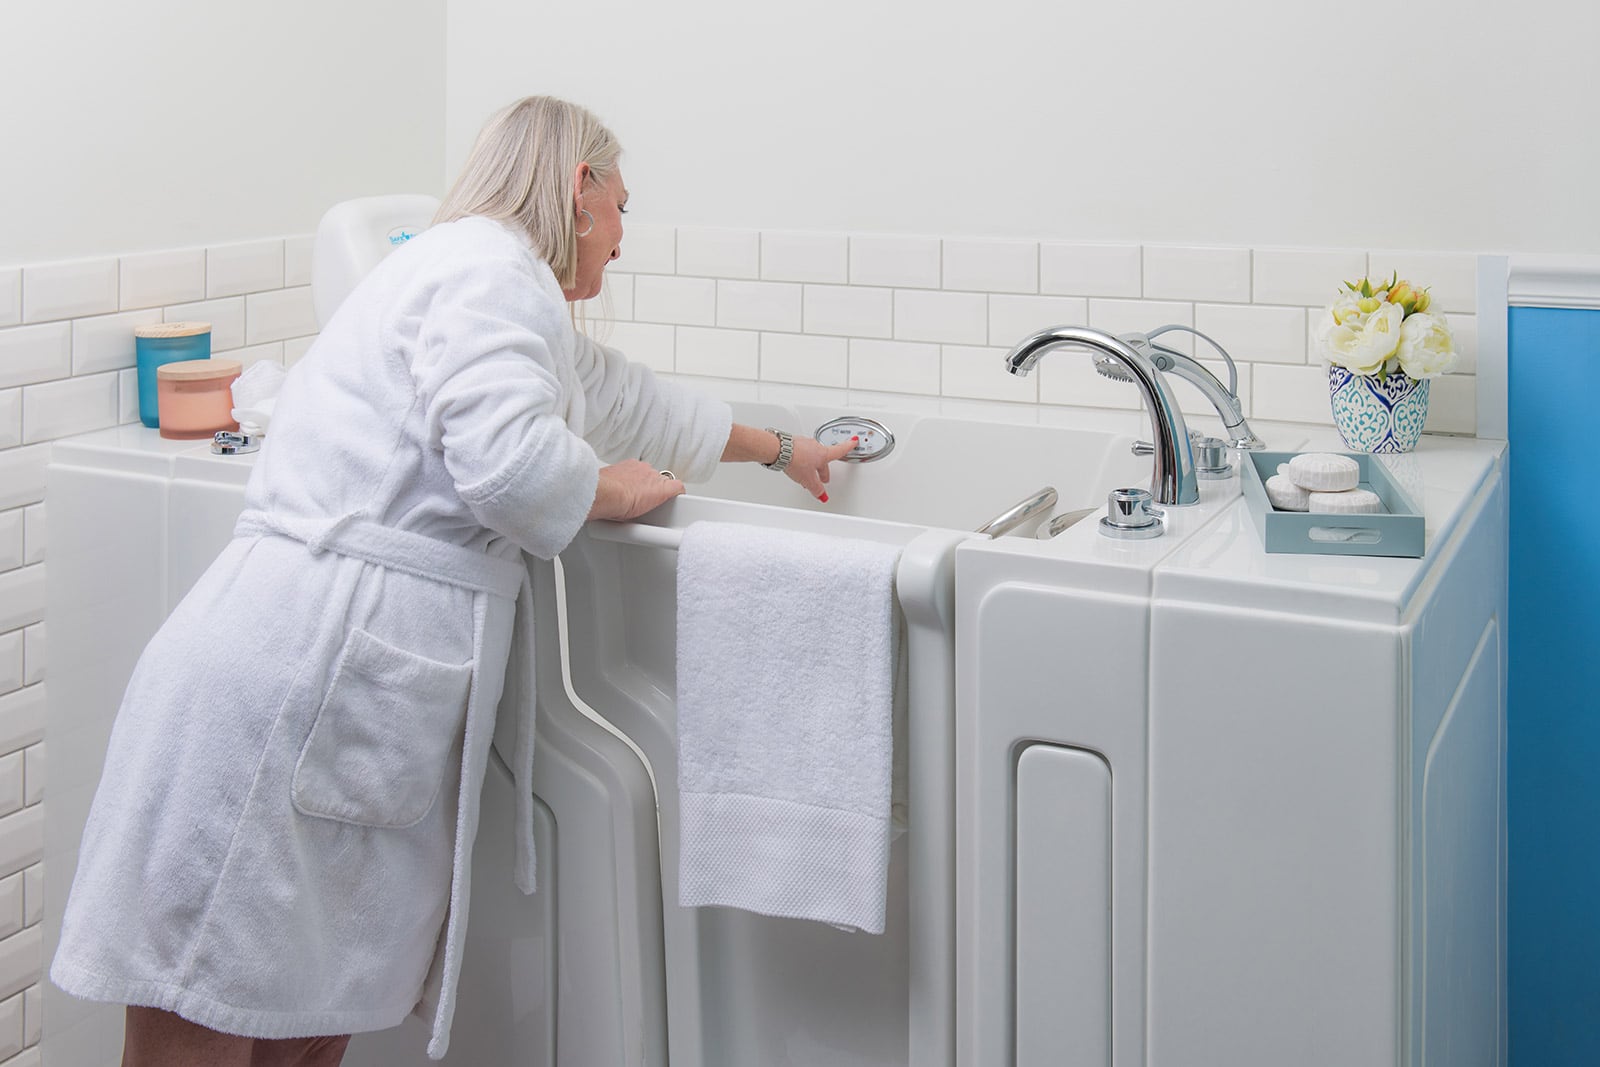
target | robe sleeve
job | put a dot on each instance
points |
(634, 414)
(491, 401)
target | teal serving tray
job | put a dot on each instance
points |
(1398, 533)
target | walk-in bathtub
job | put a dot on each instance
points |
(738, 988)
(601, 966)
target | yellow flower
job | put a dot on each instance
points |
(1404, 295)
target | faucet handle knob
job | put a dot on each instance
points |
(1143, 448)
(1211, 458)
(1130, 514)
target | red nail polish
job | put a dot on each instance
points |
(823, 498)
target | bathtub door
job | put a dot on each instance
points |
(743, 988)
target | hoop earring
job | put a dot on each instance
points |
(590, 230)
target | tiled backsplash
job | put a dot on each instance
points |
(928, 317)
(917, 316)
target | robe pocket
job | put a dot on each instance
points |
(377, 751)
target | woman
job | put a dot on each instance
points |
(276, 854)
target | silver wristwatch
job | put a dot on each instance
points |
(785, 451)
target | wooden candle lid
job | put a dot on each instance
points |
(195, 370)
(172, 329)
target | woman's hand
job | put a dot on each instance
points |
(809, 465)
(629, 489)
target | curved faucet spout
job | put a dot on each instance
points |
(1173, 480)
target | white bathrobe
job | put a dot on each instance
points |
(280, 844)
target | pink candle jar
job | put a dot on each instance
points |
(194, 398)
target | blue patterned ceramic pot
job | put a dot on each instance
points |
(1378, 415)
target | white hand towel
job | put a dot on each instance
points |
(255, 393)
(786, 671)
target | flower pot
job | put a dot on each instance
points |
(1376, 414)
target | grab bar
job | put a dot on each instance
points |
(1020, 512)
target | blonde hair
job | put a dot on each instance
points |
(521, 169)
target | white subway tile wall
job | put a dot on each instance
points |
(297, 261)
(1302, 276)
(894, 367)
(67, 290)
(801, 360)
(969, 371)
(688, 301)
(802, 257)
(11, 668)
(992, 266)
(233, 270)
(907, 261)
(105, 342)
(11, 547)
(11, 296)
(10, 417)
(916, 322)
(226, 317)
(278, 315)
(1141, 316)
(158, 278)
(849, 310)
(1090, 270)
(759, 305)
(35, 353)
(1011, 318)
(648, 249)
(717, 353)
(914, 317)
(67, 358)
(1172, 273)
(719, 253)
(958, 318)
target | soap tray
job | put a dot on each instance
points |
(1398, 533)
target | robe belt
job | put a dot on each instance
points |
(355, 536)
(400, 550)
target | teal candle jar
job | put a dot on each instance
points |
(159, 344)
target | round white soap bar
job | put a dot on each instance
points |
(1285, 495)
(1348, 502)
(1324, 472)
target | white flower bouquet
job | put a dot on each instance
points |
(1376, 330)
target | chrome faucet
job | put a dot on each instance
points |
(1173, 480)
(1225, 398)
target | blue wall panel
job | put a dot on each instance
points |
(1553, 706)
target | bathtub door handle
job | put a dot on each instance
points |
(1020, 512)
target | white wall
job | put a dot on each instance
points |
(1448, 125)
(126, 127)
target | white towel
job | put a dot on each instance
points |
(787, 648)
(255, 394)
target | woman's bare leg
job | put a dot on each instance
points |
(300, 1052)
(156, 1038)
